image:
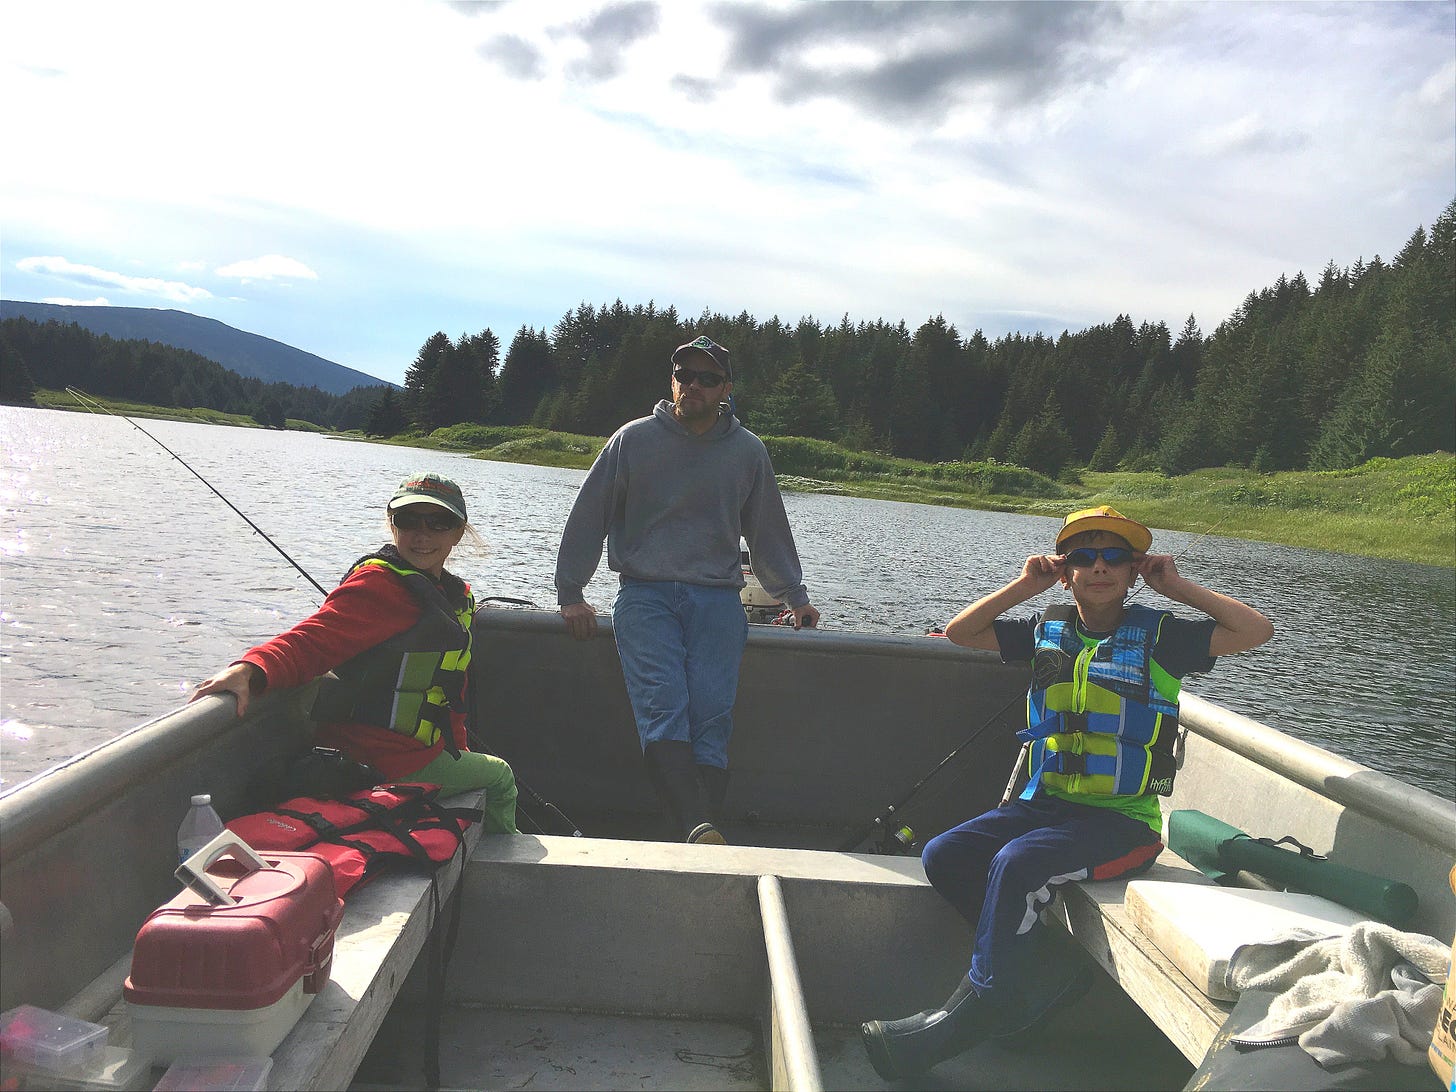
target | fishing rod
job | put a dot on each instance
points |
(884, 827)
(93, 405)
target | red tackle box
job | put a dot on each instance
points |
(227, 967)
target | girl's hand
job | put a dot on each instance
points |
(241, 680)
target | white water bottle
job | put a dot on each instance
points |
(199, 827)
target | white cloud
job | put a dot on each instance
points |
(1188, 154)
(1247, 134)
(99, 301)
(68, 270)
(267, 268)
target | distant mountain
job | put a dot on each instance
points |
(237, 350)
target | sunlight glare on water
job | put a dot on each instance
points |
(126, 581)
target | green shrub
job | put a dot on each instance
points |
(1432, 491)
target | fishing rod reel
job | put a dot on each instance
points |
(890, 836)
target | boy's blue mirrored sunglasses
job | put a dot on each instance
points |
(1086, 556)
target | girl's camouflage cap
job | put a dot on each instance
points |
(429, 489)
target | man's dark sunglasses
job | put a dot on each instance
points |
(1086, 556)
(707, 380)
(413, 521)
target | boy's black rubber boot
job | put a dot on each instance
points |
(902, 1049)
(674, 776)
(1025, 1018)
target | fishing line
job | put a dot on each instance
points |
(1180, 553)
(91, 404)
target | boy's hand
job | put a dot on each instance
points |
(1158, 571)
(1239, 626)
(1041, 571)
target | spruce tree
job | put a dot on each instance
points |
(1104, 458)
(16, 386)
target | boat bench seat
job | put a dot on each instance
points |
(386, 924)
(1096, 916)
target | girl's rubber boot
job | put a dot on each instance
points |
(674, 776)
(902, 1049)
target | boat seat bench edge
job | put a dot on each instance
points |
(1095, 915)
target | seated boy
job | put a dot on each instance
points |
(1102, 718)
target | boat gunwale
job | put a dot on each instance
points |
(812, 641)
(1409, 808)
(44, 805)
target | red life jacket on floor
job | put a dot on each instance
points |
(364, 832)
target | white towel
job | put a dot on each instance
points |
(1366, 994)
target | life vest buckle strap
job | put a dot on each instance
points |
(1067, 762)
(314, 821)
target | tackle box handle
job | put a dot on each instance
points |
(193, 871)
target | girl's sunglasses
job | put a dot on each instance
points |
(707, 380)
(413, 521)
(1086, 556)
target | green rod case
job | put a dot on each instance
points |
(1219, 850)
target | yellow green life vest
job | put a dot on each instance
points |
(411, 682)
(1101, 716)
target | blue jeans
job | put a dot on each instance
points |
(999, 870)
(680, 647)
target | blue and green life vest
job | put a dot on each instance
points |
(1101, 716)
(410, 683)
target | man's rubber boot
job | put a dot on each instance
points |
(674, 776)
(903, 1049)
(715, 786)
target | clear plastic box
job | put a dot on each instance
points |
(42, 1039)
(216, 1075)
(117, 1070)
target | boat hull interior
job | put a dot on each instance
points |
(617, 960)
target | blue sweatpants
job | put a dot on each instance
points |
(998, 870)
(680, 647)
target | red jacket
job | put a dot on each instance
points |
(370, 606)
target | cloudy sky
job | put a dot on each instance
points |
(351, 177)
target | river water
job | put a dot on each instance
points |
(124, 581)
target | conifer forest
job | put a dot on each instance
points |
(1322, 374)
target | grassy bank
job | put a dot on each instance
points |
(1399, 509)
(48, 399)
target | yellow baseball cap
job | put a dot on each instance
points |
(1106, 518)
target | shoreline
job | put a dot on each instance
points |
(1400, 510)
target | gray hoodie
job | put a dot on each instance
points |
(672, 505)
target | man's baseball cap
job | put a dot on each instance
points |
(709, 346)
(1106, 518)
(429, 489)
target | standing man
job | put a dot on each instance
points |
(672, 494)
